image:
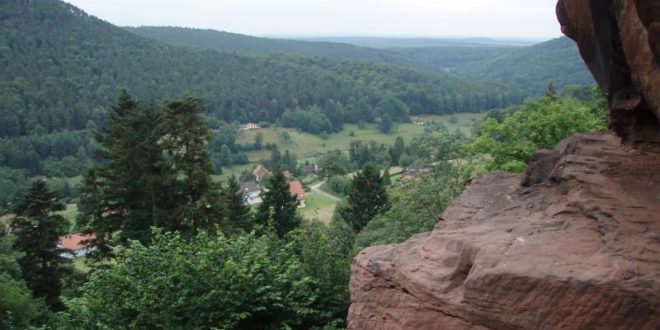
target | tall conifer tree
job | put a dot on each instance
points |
(366, 199)
(237, 214)
(37, 228)
(279, 206)
(185, 136)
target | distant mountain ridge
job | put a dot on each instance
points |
(422, 42)
(518, 63)
(245, 44)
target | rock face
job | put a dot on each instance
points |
(574, 243)
(619, 41)
(579, 248)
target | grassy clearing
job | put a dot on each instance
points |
(318, 207)
(306, 146)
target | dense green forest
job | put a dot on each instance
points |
(528, 68)
(518, 64)
(60, 66)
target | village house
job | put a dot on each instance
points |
(75, 243)
(261, 172)
(296, 189)
(252, 193)
(311, 169)
(249, 126)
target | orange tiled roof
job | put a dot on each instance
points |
(296, 189)
(74, 241)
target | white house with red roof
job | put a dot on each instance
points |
(75, 244)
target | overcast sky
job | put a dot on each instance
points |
(430, 18)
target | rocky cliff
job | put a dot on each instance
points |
(574, 243)
(619, 41)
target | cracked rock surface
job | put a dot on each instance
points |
(574, 243)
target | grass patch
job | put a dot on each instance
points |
(318, 207)
(306, 145)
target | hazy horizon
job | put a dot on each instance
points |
(505, 19)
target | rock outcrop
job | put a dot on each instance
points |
(619, 41)
(574, 243)
(579, 250)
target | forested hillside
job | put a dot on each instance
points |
(60, 67)
(515, 63)
(527, 68)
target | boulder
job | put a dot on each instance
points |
(577, 247)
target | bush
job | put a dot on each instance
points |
(538, 124)
(209, 282)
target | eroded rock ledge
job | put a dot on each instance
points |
(577, 248)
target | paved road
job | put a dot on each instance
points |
(317, 189)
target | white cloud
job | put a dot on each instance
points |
(496, 18)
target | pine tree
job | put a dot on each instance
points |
(387, 179)
(237, 214)
(185, 136)
(38, 228)
(366, 199)
(279, 206)
(397, 150)
(94, 217)
(135, 185)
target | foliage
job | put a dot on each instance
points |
(278, 208)
(18, 308)
(366, 199)
(155, 171)
(37, 228)
(185, 134)
(248, 282)
(237, 215)
(311, 121)
(415, 207)
(339, 184)
(133, 188)
(325, 253)
(416, 203)
(335, 162)
(538, 124)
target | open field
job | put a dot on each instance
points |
(306, 145)
(318, 207)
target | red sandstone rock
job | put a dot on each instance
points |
(574, 243)
(579, 250)
(619, 41)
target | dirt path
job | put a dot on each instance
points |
(317, 189)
